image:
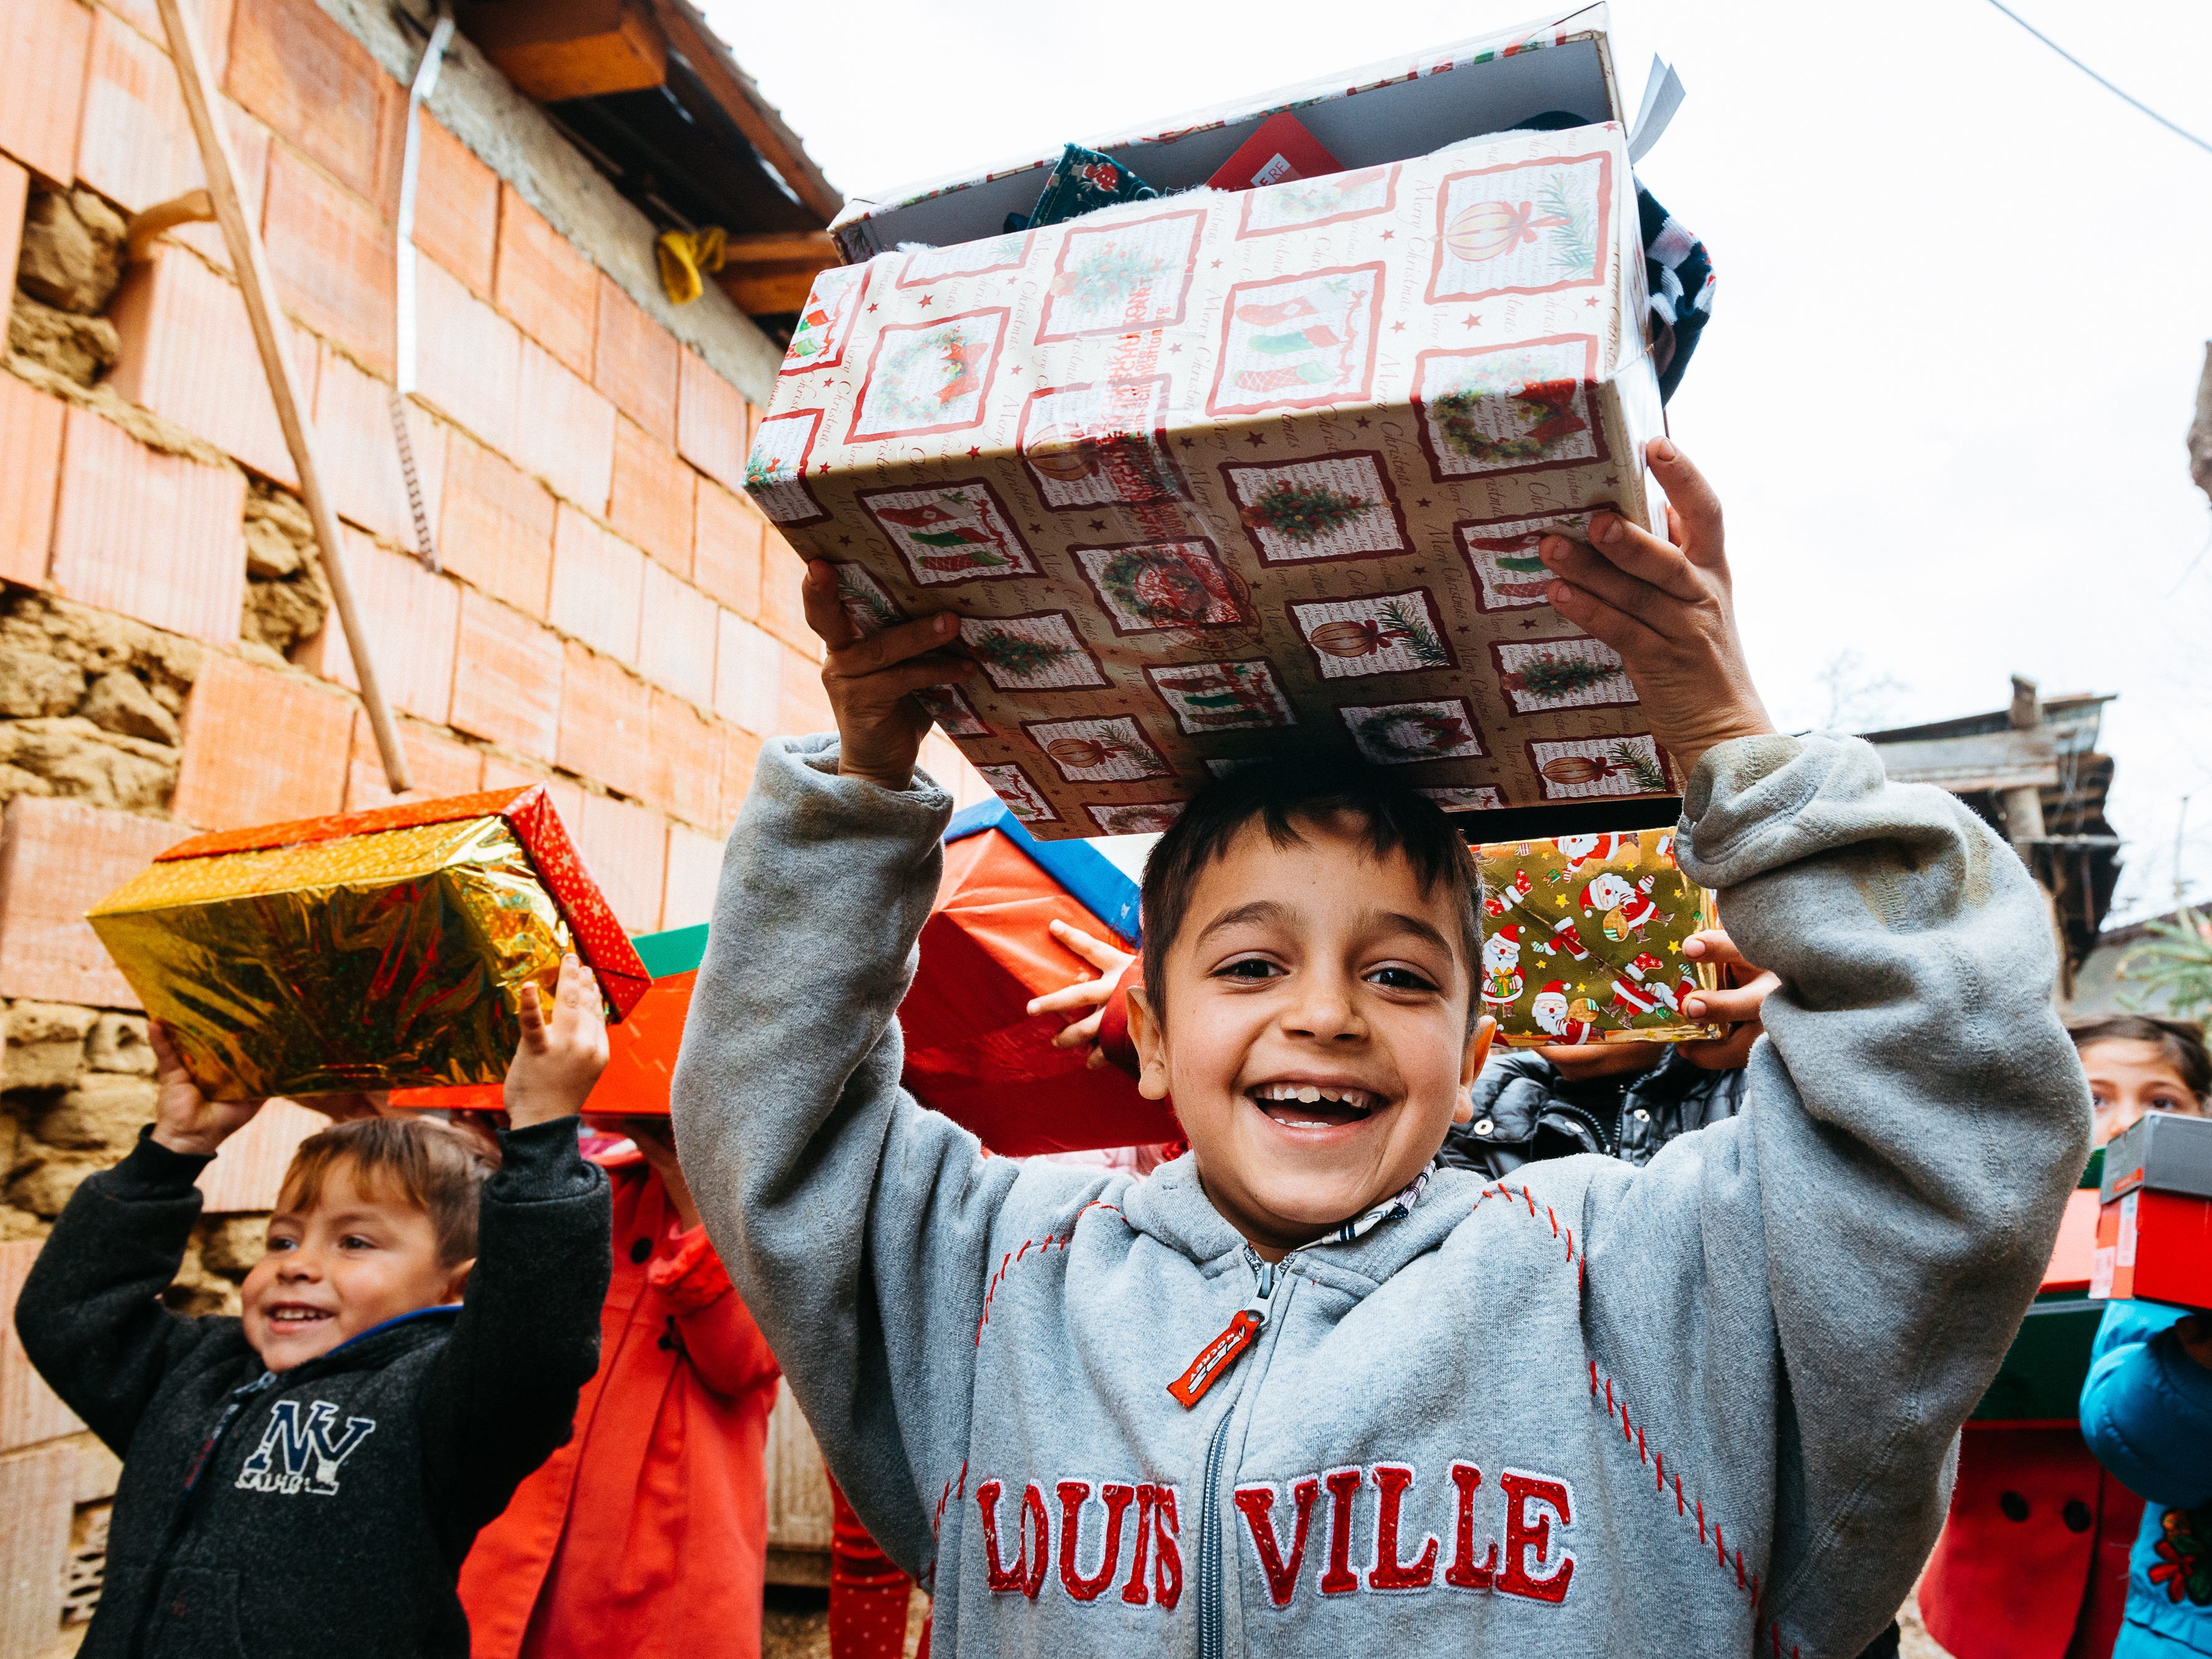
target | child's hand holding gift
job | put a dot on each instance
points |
(1667, 607)
(561, 1054)
(185, 1119)
(879, 726)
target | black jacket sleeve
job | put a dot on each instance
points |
(90, 1313)
(501, 1394)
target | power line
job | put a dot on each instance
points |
(2170, 127)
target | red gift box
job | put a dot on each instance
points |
(2154, 1226)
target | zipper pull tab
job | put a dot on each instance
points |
(1215, 1358)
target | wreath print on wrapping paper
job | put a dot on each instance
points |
(1520, 408)
(1150, 586)
(2184, 1566)
(929, 377)
(1402, 733)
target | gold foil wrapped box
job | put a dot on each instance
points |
(1583, 939)
(375, 951)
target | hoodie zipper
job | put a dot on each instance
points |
(1267, 1277)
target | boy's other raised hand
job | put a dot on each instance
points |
(1668, 608)
(879, 726)
(185, 1119)
(561, 1053)
(1737, 1004)
(1091, 994)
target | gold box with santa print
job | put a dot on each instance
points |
(1583, 937)
(1221, 475)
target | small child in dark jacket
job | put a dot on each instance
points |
(307, 1479)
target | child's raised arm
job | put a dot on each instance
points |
(830, 1196)
(90, 1313)
(1798, 1308)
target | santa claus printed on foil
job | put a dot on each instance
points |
(1569, 1024)
(1578, 850)
(1627, 909)
(1501, 968)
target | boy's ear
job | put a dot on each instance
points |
(457, 1282)
(1152, 1046)
(1470, 1066)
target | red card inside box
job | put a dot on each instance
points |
(528, 812)
(1282, 149)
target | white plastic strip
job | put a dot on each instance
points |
(1662, 96)
(426, 80)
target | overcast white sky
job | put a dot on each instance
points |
(1964, 297)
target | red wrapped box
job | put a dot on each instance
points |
(2154, 1226)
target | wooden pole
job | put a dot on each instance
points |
(250, 261)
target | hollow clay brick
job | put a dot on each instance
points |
(43, 44)
(564, 431)
(261, 747)
(633, 361)
(606, 722)
(783, 608)
(598, 582)
(456, 208)
(210, 18)
(740, 753)
(805, 706)
(626, 849)
(436, 764)
(544, 285)
(710, 421)
(506, 678)
(135, 145)
(496, 530)
(14, 198)
(725, 549)
(676, 645)
(58, 859)
(695, 866)
(360, 457)
(748, 675)
(469, 357)
(687, 760)
(295, 66)
(331, 255)
(154, 536)
(189, 355)
(652, 499)
(413, 619)
(30, 469)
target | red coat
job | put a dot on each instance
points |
(2033, 1561)
(646, 1534)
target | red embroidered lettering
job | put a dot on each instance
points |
(1528, 1536)
(1463, 1574)
(1026, 1576)
(1167, 1573)
(1257, 1506)
(1073, 1494)
(1389, 1573)
(1343, 1487)
(1134, 1592)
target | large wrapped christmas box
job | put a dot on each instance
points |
(973, 1050)
(2154, 1224)
(1583, 939)
(374, 950)
(1220, 475)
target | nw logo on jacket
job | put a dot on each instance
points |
(295, 1456)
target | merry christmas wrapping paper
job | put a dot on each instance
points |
(1583, 939)
(1221, 475)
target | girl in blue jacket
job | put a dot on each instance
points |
(2147, 1413)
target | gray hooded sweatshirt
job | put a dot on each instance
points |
(1705, 1406)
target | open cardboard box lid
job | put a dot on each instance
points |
(1390, 111)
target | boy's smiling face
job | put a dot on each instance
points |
(1315, 1037)
(341, 1266)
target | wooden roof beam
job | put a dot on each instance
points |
(554, 50)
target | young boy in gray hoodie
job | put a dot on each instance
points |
(1303, 1392)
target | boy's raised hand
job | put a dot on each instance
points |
(1091, 994)
(1667, 607)
(879, 727)
(185, 1119)
(561, 1054)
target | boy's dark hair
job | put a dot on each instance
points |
(432, 1165)
(1399, 820)
(2181, 1041)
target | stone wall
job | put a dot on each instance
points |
(611, 616)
